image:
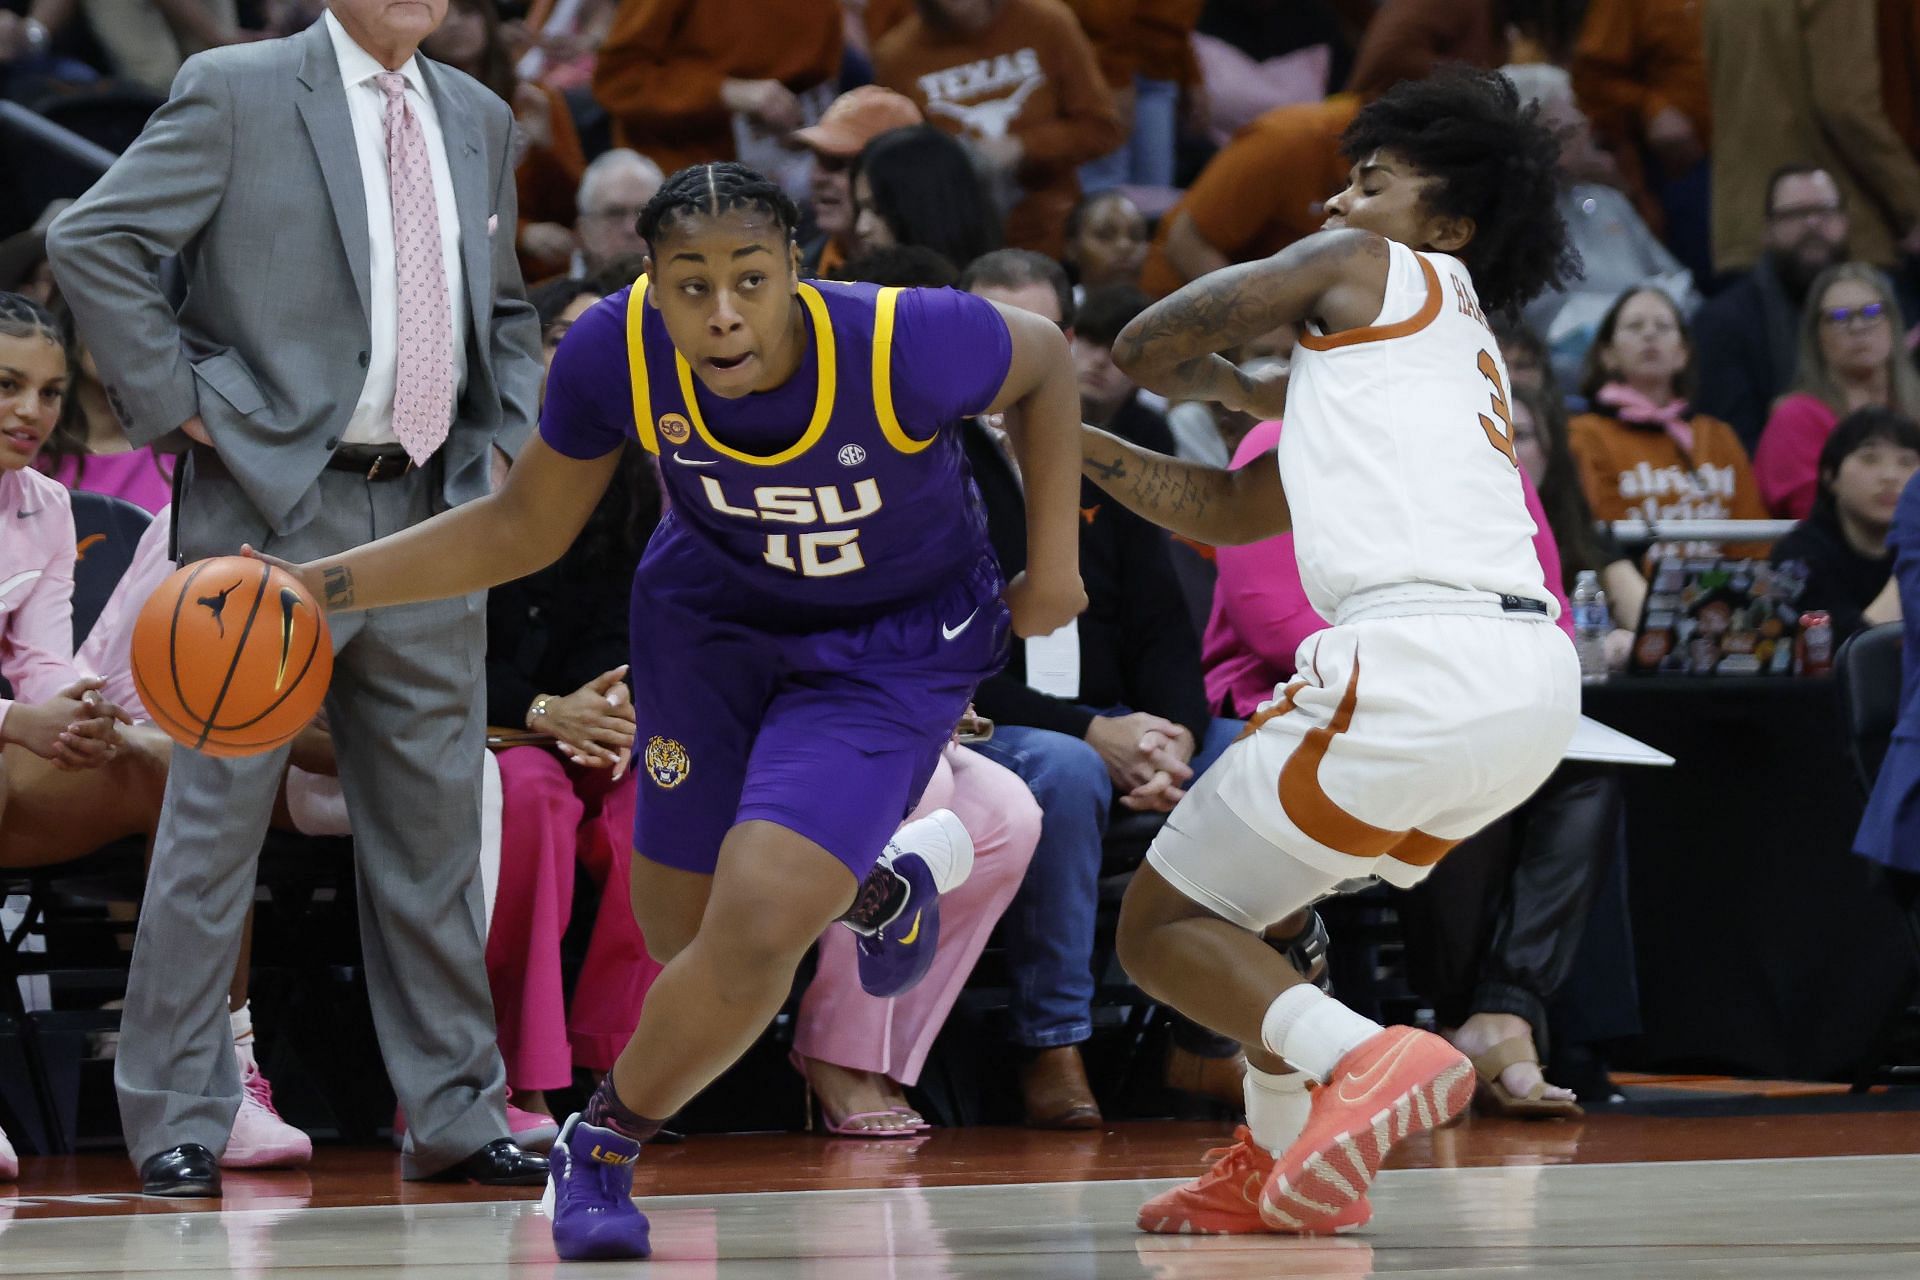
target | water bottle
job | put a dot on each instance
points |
(1591, 625)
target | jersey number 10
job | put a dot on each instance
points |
(824, 553)
(1499, 435)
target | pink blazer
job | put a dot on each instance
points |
(36, 587)
(1260, 610)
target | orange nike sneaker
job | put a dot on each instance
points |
(1225, 1200)
(1400, 1082)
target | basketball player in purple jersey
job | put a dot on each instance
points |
(809, 621)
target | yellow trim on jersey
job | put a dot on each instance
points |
(637, 367)
(883, 376)
(822, 401)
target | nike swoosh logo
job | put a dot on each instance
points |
(913, 934)
(22, 515)
(948, 633)
(288, 603)
(695, 462)
(1374, 1075)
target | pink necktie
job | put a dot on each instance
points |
(423, 381)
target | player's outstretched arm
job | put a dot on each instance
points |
(1042, 402)
(1336, 278)
(1212, 505)
(523, 527)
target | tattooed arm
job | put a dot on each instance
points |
(1336, 278)
(1206, 504)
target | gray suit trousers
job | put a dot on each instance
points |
(407, 713)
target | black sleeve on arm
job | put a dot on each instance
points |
(510, 684)
(1007, 699)
(1162, 656)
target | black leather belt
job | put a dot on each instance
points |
(372, 461)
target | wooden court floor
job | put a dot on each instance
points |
(1804, 1195)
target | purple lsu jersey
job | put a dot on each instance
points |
(820, 505)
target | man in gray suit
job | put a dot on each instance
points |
(352, 341)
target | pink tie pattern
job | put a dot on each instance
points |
(423, 381)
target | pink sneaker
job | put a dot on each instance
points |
(260, 1138)
(9, 1162)
(531, 1131)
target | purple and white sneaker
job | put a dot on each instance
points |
(934, 855)
(590, 1195)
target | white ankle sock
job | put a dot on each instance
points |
(241, 1020)
(1277, 1108)
(1313, 1031)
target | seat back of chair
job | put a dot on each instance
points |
(1867, 673)
(106, 533)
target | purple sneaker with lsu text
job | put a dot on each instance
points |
(934, 855)
(590, 1195)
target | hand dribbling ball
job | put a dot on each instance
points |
(231, 656)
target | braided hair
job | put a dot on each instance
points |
(22, 317)
(709, 190)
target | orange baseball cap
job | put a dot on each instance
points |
(856, 118)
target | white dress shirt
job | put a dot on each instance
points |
(372, 421)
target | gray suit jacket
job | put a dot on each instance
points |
(249, 176)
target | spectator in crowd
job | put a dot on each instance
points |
(1643, 451)
(1211, 433)
(79, 765)
(548, 175)
(692, 81)
(916, 186)
(1640, 74)
(858, 1053)
(1617, 250)
(1111, 706)
(1889, 834)
(910, 266)
(567, 45)
(24, 268)
(1864, 467)
(1542, 446)
(1798, 82)
(1145, 51)
(1263, 191)
(90, 450)
(147, 40)
(613, 191)
(1850, 358)
(854, 119)
(1108, 397)
(1017, 81)
(1106, 242)
(1528, 365)
(567, 803)
(1749, 332)
(1410, 39)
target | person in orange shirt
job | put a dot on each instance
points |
(687, 83)
(1262, 192)
(1642, 451)
(1018, 82)
(856, 118)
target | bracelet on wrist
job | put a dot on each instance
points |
(537, 713)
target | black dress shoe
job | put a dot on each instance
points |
(498, 1164)
(187, 1171)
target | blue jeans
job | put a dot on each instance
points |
(1049, 926)
(1146, 158)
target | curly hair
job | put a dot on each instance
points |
(709, 190)
(1487, 158)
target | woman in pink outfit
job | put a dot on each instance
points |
(1851, 357)
(89, 452)
(859, 1053)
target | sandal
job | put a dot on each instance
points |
(1494, 1098)
(852, 1125)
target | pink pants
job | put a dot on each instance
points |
(555, 816)
(839, 1022)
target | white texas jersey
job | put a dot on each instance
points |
(1398, 451)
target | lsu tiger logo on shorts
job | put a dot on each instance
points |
(675, 428)
(667, 762)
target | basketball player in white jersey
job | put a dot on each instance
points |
(1442, 695)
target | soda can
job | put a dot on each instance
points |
(1816, 643)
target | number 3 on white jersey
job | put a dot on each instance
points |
(1496, 436)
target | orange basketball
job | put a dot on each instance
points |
(231, 656)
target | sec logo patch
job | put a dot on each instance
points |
(852, 456)
(675, 428)
(667, 762)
